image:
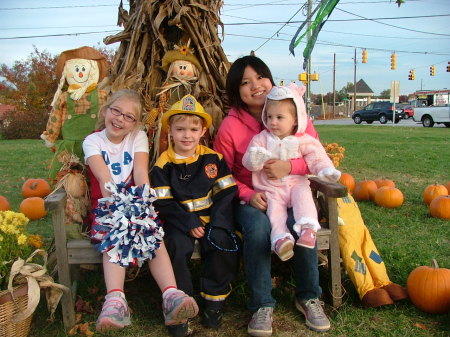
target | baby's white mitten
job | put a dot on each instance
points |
(329, 174)
(258, 156)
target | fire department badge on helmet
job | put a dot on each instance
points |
(211, 171)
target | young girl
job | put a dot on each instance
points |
(118, 155)
(284, 116)
(249, 80)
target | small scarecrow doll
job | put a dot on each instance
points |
(362, 260)
(183, 72)
(74, 116)
(74, 112)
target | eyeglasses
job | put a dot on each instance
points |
(126, 117)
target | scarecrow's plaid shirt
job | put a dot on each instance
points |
(59, 113)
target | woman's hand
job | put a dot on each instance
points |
(198, 232)
(277, 169)
(258, 200)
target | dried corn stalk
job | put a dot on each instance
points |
(151, 28)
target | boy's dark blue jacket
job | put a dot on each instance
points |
(195, 191)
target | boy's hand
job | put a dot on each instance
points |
(198, 232)
(258, 200)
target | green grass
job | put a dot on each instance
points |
(406, 237)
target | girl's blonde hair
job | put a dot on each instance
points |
(126, 94)
(271, 103)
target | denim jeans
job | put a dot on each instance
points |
(255, 227)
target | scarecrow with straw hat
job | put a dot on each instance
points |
(74, 116)
(74, 112)
(183, 74)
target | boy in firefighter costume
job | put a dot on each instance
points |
(74, 113)
(195, 190)
(361, 259)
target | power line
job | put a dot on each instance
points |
(56, 35)
(55, 7)
(326, 43)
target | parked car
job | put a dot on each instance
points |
(378, 111)
(408, 111)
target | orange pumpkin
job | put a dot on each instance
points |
(348, 181)
(365, 190)
(389, 197)
(33, 208)
(429, 288)
(440, 207)
(384, 182)
(4, 204)
(36, 188)
(447, 186)
(433, 191)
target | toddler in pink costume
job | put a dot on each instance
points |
(284, 116)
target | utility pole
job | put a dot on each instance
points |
(308, 65)
(354, 83)
(334, 85)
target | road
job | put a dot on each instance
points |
(348, 121)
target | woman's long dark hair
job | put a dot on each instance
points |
(235, 74)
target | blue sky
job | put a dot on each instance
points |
(418, 32)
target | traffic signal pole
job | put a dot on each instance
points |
(308, 65)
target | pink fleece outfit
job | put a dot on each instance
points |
(232, 139)
(293, 190)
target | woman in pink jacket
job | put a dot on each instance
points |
(249, 81)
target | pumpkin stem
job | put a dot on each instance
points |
(33, 185)
(434, 264)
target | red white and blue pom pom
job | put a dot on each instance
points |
(134, 232)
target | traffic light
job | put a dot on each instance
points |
(412, 75)
(432, 71)
(314, 77)
(393, 61)
(303, 77)
(364, 56)
(281, 83)
(448, 67)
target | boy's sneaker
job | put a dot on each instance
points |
(115, 313)
(178, 330)
(178, 308)
(261, 323)
(212, 318)
(307, 238)
(284, 248)
(315, 317)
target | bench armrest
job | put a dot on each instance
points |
(331, 190)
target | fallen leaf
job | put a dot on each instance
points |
(85, 331)
(78, 317)
(73, 331)
(420, 326)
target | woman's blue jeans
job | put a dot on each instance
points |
(255, 227)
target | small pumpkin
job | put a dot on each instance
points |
(384, 182)
(33, 208)
(4, 204)
(440, 207)
(348, 181)
(429, 288)
(389, 197)
(35, 188)
(365, 190)
(433, 191)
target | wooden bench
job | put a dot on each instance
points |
(70, 253)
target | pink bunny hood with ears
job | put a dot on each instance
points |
(294, 92)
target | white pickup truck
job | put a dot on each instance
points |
(430, 115)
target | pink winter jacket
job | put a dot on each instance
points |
(232, 140)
